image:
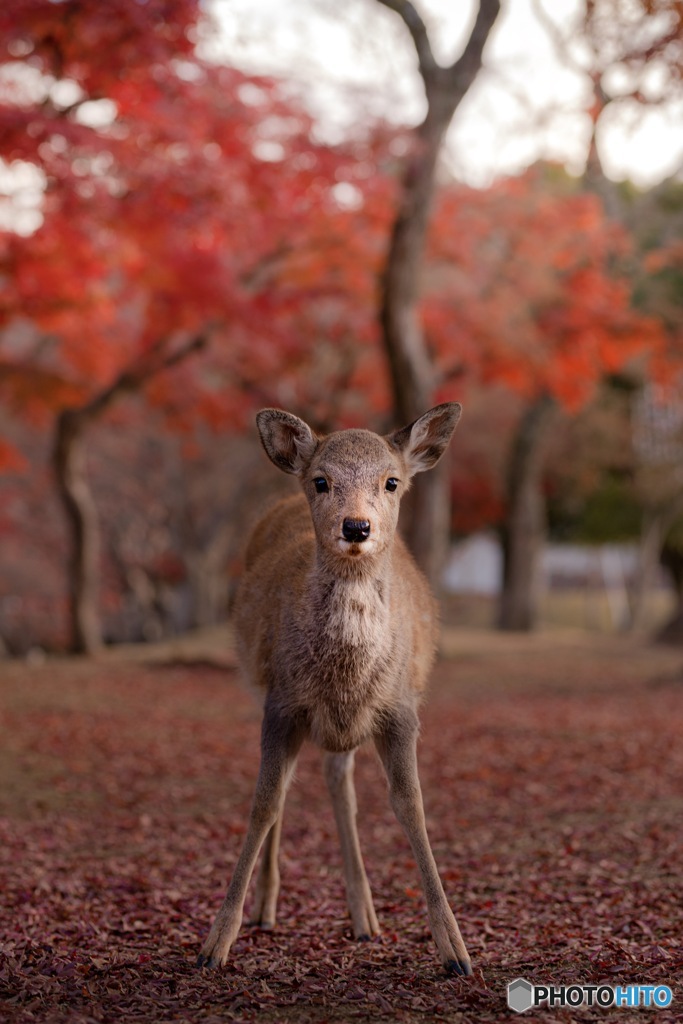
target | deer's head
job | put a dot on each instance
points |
(354, 479)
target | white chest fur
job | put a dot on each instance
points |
(355, 615)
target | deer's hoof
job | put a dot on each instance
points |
(210, 962)
(463, 968)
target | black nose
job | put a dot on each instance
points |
(356, 530)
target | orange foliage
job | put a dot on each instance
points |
(529, 287)
(11, 460)
(203, 205)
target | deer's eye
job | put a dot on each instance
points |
(391, 484)
(321, 485)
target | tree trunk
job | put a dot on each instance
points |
(524, 529)
(427, 514)
(69, 460)
(651, 540)
(81, 517)
(656, 524)
(672, 631)
(425, 520)
(208, 578)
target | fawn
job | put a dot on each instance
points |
(337, 625)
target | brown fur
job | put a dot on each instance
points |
(327, 627)
(340, 635)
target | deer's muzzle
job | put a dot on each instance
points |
(356, 530)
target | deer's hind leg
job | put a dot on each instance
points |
(338, 771)
(264, 910)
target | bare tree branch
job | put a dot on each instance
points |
(69, 460)
(557, 38)
(466, 67)
(463, 69)
(418, 31)
(133, 377)
(410, 364)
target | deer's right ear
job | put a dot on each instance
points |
(289, 442)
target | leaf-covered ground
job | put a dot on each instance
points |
(553, 777)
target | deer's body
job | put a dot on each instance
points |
(336, 652)
(336, 624)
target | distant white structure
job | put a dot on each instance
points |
(583, 564)
(475, 565)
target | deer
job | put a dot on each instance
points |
(337, 626)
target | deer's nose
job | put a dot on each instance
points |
(356, 530)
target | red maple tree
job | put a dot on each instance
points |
(531, 288)
(183, 204)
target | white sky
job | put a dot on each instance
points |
(355, 56)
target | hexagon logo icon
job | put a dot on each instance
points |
(520, 995)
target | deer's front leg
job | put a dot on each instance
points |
(281, 740)
(397, 747)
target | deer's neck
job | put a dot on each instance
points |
(352, 601)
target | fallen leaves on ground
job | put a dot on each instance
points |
(552, 785)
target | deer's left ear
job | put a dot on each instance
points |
(423, 442)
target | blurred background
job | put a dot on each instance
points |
(353, 212)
